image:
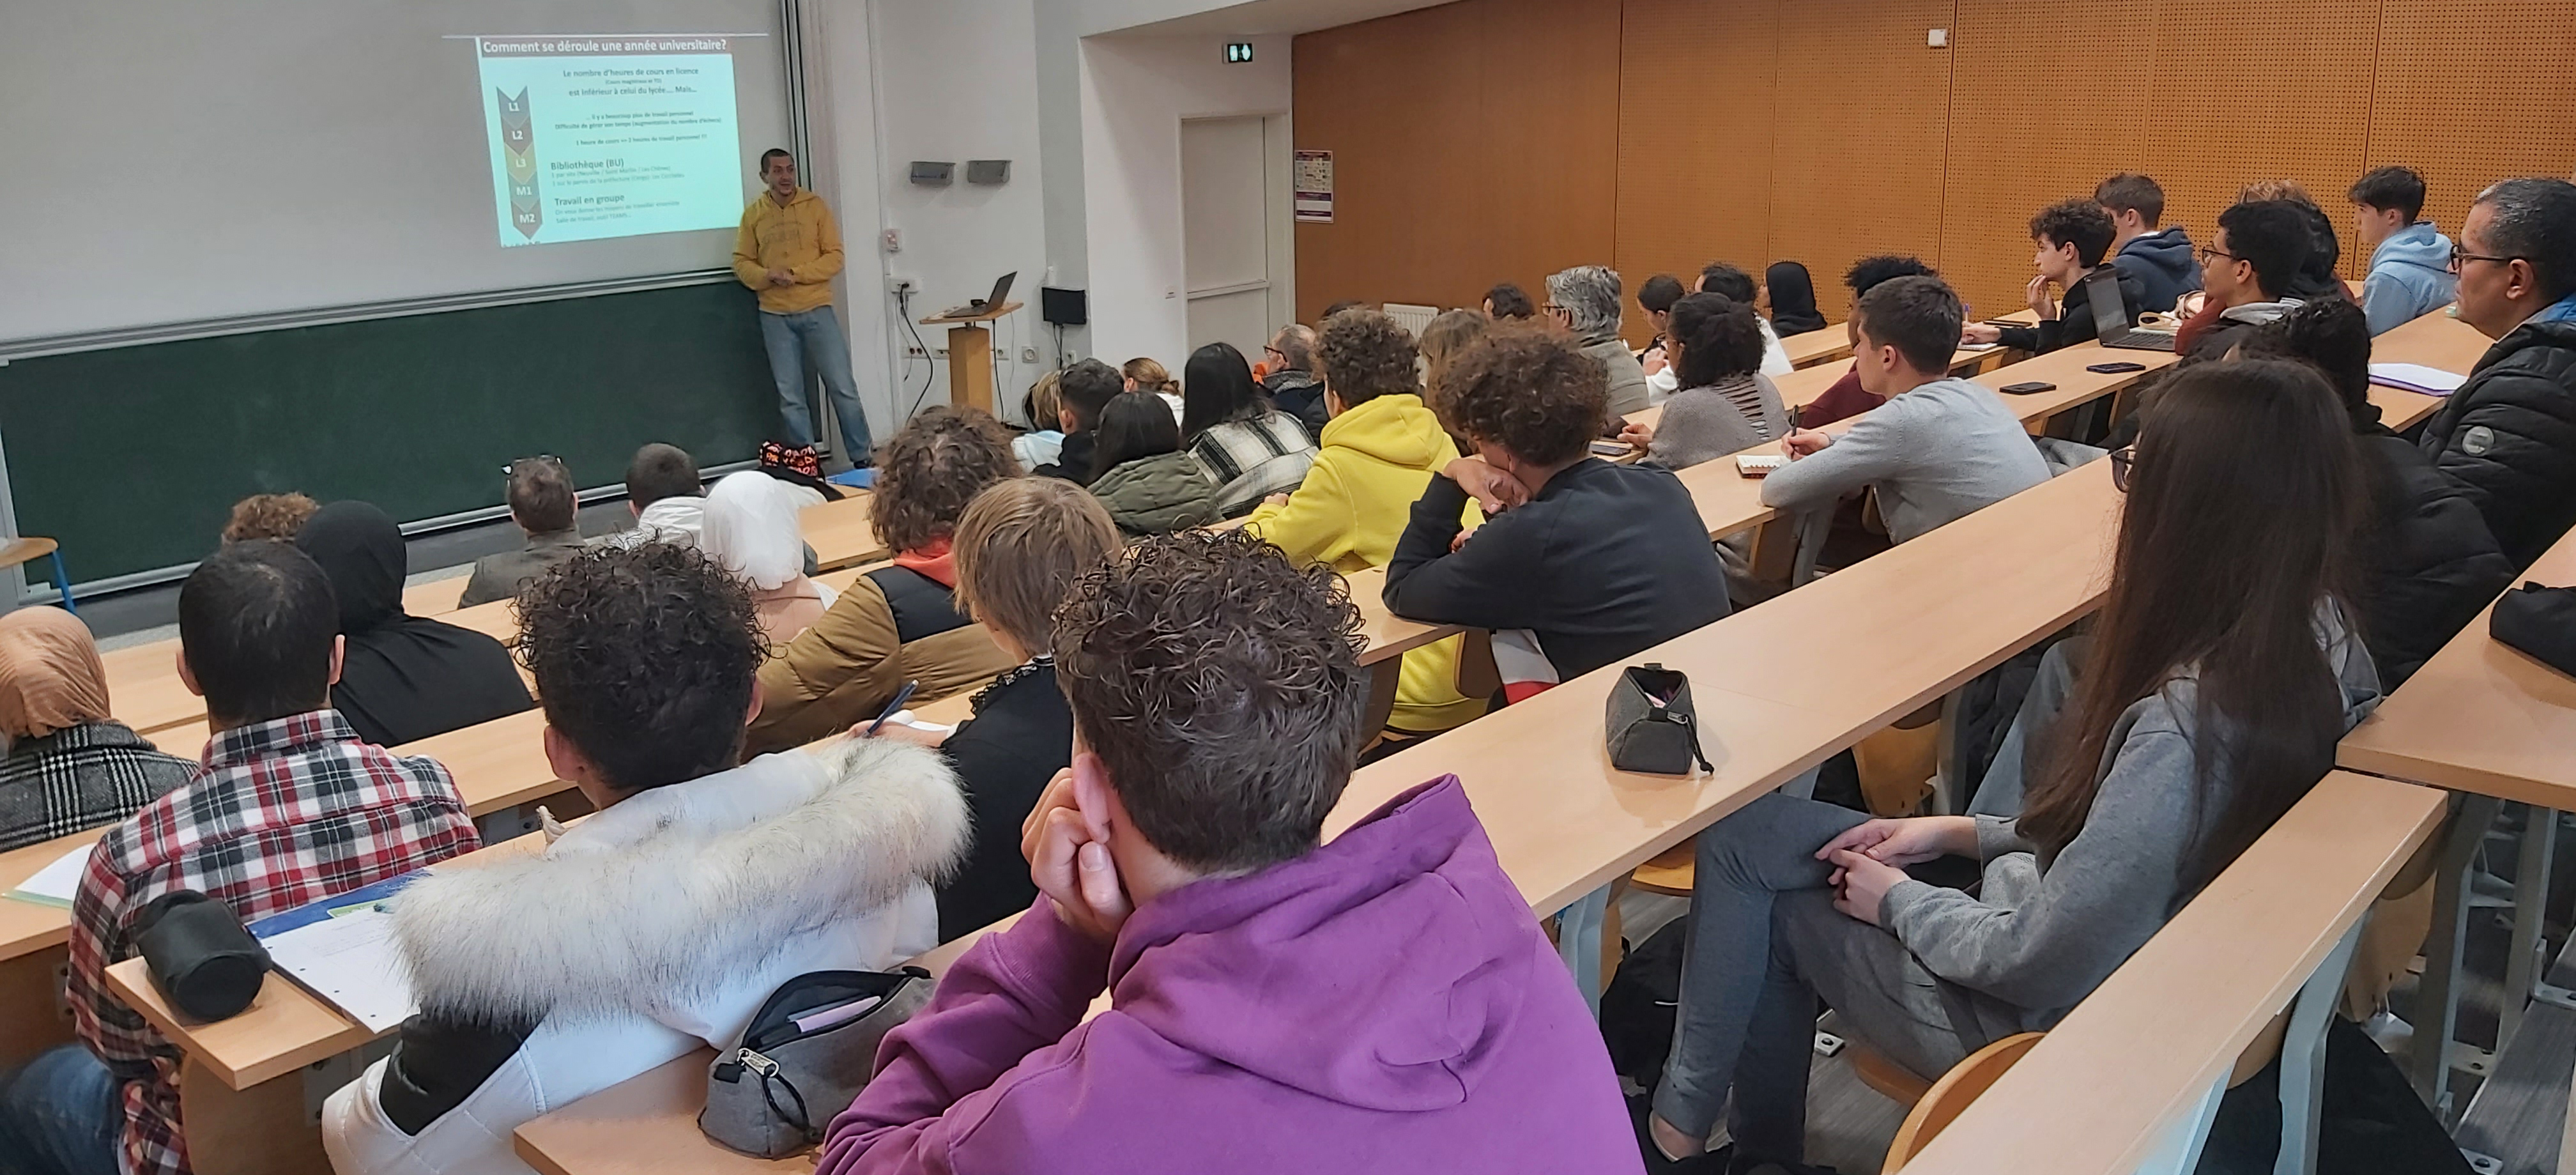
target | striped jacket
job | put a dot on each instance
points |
(1249, 460)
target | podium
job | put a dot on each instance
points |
(970, 354)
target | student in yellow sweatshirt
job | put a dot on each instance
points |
(789, 251)
(1379, 451)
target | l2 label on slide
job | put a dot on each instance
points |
(611, 136)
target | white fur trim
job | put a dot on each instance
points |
(677, 913)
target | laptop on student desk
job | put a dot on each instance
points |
(1001, 294)
(2111, 316)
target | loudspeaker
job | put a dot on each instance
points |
(935, 174)
(988, 171)
(1064, 307)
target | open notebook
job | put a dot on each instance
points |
(342, 950)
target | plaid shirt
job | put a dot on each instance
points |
(1252, 459)
(78, 778)
(282, 813)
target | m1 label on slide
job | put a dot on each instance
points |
(611, 136)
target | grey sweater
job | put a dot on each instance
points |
(2042, 935)
(1627, 377)
(1938, 453)
(1704, 424)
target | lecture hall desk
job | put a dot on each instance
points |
(2059, 534)
(1773, 703)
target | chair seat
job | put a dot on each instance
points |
(25, 550)
(1670, 872)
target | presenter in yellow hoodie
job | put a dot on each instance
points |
(1379, 451)
(789, 251)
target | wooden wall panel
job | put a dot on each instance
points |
(1695, 133)
(2473, 91)
(2277, 89)
(1489, 140)
(1859, 126)
(1473, 143)
(2025, 133)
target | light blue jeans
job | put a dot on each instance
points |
(60, 1115)
(814, 336)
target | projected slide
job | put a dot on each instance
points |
(596, 137)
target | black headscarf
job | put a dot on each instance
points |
(1793, 299)
(403, 678)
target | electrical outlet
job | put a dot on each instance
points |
(899, 285)
(893, 239)
(1028, 354)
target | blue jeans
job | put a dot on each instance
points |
(814, 336)
(60, 1115)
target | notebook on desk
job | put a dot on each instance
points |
(342, 950)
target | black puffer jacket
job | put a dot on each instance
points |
(2508, 437)
(2432, 564)
(2318, 278)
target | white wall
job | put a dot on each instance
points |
(1135, 92)
(956, 80)
(841, 116)
(1095, 172)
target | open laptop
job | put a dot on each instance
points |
(1001, 294)
(2111, 316)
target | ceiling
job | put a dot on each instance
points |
(1271, 17)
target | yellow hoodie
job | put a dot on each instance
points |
(799, 238)
(1377, 458)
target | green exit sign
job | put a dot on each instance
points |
(1238, 52)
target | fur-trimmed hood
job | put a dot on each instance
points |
(674, 894)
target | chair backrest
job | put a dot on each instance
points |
(1951, 1095)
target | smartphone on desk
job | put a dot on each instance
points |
(1611, 449)
(2121, 367)
(2026, 388)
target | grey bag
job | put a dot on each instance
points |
(773, 1094)
(1650, 723)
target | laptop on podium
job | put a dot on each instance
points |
(1001, 294)
(2111, 316)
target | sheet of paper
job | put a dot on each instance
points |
(53, 885)
(351, 962)
(2415, 377)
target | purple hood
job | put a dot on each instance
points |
(1387, 996)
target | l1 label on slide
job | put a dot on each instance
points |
(611, 136)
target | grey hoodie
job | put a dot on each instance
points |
(2042, 935)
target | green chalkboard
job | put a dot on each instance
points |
(132, 457)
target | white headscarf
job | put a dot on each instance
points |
(751, 528)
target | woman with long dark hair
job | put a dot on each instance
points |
(2223, 670)
(1149, 482)
(1248, 449)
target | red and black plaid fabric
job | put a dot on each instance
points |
(281, 814)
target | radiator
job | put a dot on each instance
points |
(1411, 317)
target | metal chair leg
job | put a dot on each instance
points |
(63, 582)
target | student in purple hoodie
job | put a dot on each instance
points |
(1382, 1002)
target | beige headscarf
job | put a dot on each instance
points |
(50, 675)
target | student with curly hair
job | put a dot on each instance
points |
(1598, 561)
(659, 925)
(901, 622)
(1280, 1004)
(2071, 237)
(268, 516)
(1726, 404)
(1381, 450)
